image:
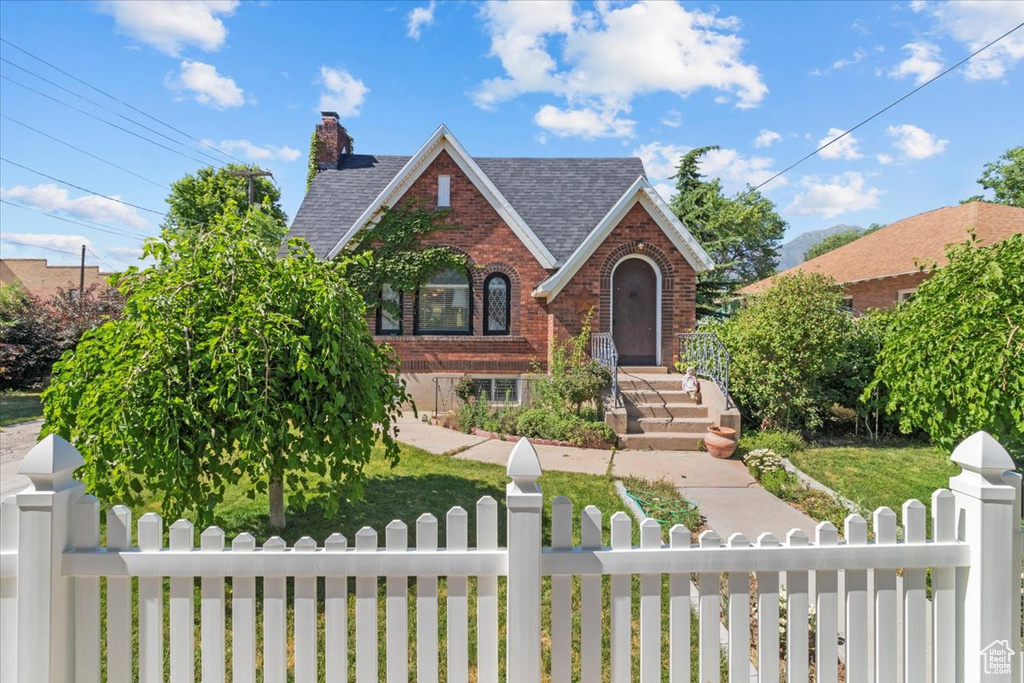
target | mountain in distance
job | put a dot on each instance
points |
(792, 252)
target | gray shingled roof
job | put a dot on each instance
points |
(560, 199)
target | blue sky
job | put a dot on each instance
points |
(766, 81)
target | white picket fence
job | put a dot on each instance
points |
(51, 566)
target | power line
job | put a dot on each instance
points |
(882, 111)
(40, 246)
(79, 149)
(68, 220)
(120, 101)
(108, 109)
(78, 187)
(113, 125)
(97, 257)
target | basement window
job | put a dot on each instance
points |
(444, 191)
(496, 389)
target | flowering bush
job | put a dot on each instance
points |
(762, 462)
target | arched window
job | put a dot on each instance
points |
(497, 304)
(444, 304)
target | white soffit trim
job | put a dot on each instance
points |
(443, 140)
(641, 192)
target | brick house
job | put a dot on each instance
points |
(546, 240)
(885, 267)
(42, 280)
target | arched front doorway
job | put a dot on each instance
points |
(636, 310)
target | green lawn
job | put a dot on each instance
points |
(875, 475)
(19, 406)
(423, 482)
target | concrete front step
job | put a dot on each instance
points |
(643, 370)
(652, 396)
(664, 383)
(669, 441)
(683, 410)
(663, 425)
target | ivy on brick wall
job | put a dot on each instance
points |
(391, 252)
(311, 167)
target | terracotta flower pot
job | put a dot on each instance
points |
(720, 441)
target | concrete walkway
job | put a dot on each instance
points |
(724, 491)
(15, 442)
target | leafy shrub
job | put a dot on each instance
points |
(544, 424)
(795, 353)
(574, 381)
(34, 333)
(779, 442)
(952, 361)
(464, 389)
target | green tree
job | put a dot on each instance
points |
(742, 234)
(230, 363)
(832, 242)
(953, 357)
(197, 199)
(795, 353)
(394, 255)
(1005, 177)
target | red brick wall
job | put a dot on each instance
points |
(591, 286)
(491, 246)
(883, 292)
(43, 280)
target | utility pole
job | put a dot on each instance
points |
(81, 279)
(250, 174)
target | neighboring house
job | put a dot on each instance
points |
(885, 267)
(546, 240)
(42, 280)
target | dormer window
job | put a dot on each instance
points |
(444, 191)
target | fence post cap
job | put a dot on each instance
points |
(50, 463)
(523, 463)
(981, 453)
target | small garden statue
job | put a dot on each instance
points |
(691, 385)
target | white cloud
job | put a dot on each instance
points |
(766, 138)
(342, 92)
(846, 148)
(131, 253)
(612, 54)
(884, 159)
(586, 123)
(973, 24)
(673, 119)
(916, 143)
(207, 86)
(69, 244)
(844, 62)
(420, 17)
(735, 170)
(254, 152)
(841, 194)
(858, 55)
(170, 26)
(50, 197)
(924, 62)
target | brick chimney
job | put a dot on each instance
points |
(334, 141)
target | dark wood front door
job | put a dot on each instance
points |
(635, 313)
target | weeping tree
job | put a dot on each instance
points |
(229, 364)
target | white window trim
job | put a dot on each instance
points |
(902, 294)
(657, 300)
(444, 191)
